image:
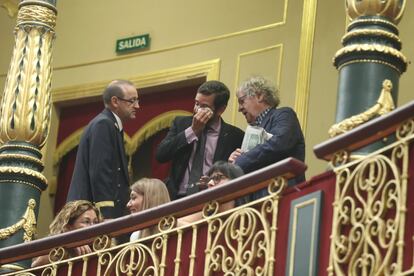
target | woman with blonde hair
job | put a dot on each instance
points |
(147, 193)
(74, 215)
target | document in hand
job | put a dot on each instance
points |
(254, 136)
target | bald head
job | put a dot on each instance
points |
(115, 88)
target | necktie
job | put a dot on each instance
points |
(122, 136)
(198, 160)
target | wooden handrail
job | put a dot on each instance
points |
(365, 134)
(233, 189)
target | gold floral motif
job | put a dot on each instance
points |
(24, 171)
(27, 222)
(371, 48)
(384, 104)
(370, 32)
(391, 9)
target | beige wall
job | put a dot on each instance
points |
(248, 37)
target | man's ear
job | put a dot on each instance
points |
(114, 101)
(260, 98)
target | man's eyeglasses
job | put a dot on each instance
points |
(130, 101)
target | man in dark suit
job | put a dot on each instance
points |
(258, 101)
(101, 167)
(203, 137)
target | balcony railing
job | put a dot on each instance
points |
(241, 240)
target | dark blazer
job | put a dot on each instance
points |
(287, 141)
(101, 167)
(175, 147)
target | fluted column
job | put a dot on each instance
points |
(370, 63)
(24, 123)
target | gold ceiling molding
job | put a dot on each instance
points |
(253, 52)
(11, 6)
(305, 61)
(210, 69)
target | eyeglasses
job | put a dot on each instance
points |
(217, 178)
(130, 101)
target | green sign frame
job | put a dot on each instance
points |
(134, 43)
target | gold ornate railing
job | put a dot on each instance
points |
(239, 241)
(369, 222)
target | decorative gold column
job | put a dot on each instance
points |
(24, 121)
(369, 64)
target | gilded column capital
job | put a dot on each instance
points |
(391, 9)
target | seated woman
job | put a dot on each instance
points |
(74, 215)
(220, 173)
(147, 193)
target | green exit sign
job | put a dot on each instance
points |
(132, 43)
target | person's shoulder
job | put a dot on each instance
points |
(282, 112)
(102, 120)
(283, 109)
(232, 128)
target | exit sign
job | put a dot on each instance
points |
(132, 43)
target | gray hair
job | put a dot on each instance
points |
(260, 86)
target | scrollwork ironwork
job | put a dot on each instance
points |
(57, 254)
(134, 259)
(210, 209)
(167, 223)
(369, 211)
(101, 243)
(240, 241)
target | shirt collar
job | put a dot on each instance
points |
(261, 116)
(118, 121)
